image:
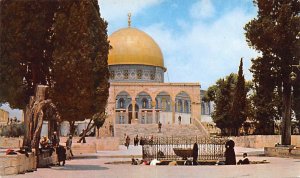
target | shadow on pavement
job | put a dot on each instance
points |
(80, 167)
(86, 157)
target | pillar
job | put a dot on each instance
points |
(153, 111)
(133, 109)
(173, 112)
(134, 119)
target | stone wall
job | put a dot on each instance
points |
(11, 142)
(3, 117)
(260, 141)
(108, 144)
(16, 164)
(92, 144)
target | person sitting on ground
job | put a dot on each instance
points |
(44, 142)
(154, 162)
(245, 160)
(134, 161)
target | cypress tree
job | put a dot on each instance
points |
(239, 110)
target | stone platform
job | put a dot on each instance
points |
(285, 152)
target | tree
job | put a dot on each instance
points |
(25, 49)
(266, 96)
(80, 72)
(239, 107)
(222, 95)
(60, 43)
(274, 33)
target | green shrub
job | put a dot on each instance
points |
(13, 130)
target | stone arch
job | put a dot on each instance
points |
(143, 100)
(131, 113)
(164, 101)
(123, 99)
(183, 108)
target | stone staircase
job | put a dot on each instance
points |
(147, 130)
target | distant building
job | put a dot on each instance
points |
(207, 109)
(4, 116)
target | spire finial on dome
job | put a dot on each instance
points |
(129, 19)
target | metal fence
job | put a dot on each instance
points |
(162, 148)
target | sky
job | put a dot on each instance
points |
(201, 40)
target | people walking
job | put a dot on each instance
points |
(159, 127)
(69, 145)
(136, 140)
(127, 143)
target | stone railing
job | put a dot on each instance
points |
(16, 164)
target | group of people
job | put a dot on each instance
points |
(60, 150)
(137, 141)
(230, 158)
(46, 143)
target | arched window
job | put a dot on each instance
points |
(144, 103)
(186, 107)
(164, 104)
(121, 103)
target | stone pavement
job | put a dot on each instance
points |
(93, 165)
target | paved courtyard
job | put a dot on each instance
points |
(93, 165)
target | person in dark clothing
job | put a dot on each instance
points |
(142, 142)
(55, 139)
(127, 141)
(159, 127)
(245, 160)
(136, 140)
(195, 154)
(61, 154)
(229, 153)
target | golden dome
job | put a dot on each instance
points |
(133, 46)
